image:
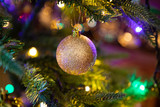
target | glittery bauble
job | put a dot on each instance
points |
(76, 55)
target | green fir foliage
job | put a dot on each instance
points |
(114, 9)
(68, 89)
(8, 47)
(142, 17)
(36, 85)
(8, 63)
(46, 82)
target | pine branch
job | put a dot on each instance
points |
(7, 48)
(137, 11)
(109, 96)
(13, 46)
(94, 9)
(139, 15)
(69, 89)
(6, 60)
(36, 85)
(79, 97)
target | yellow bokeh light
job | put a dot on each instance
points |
(45, 16)
(87, 88)
(103, 13)
(116, 91)
(60, 4)
(128, 36)
(129, 84)
(98, 62)
(122, 105)
(128, 98)
(33, 52)
(42, 104)
(152, 89)
(127, 40)
(6, 24)
(54, 24)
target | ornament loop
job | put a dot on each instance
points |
(76, 32)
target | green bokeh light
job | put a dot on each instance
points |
(137, 88)
(9, 88)
(142, 87)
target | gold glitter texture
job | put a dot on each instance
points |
(76, 55)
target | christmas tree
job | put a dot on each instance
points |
(64, 53)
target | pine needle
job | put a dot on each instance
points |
(7, 62)
(36, 85)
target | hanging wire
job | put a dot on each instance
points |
(76, 32)
(158, 62)
(157, 71)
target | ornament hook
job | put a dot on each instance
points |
(76, 32)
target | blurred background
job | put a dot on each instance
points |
(124, 45)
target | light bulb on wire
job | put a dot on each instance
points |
(60, 4)
(142, 87)
(6, 24)
(9, 88)
(87, 88)
(138, 29)
(103, 13)
(91, 22)
(33, 52)
(43, 104)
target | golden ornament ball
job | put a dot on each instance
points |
(76, 55)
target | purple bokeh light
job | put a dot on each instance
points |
(138, 29)
(9, 4)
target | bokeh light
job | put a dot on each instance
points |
(142, 87)
(60, 26)
(108, 31)
(60, 4)
(33, 52)
(137, 88)
(127, 40)
(87, 88)
(103, 13)
(128, 37)
(98, 62)
(55, 24)
(91, 22)
(9, 88)
(43, 104)
(6, 24)
(138, 29)
(109, 38)
(45, 16)
(27, 8)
